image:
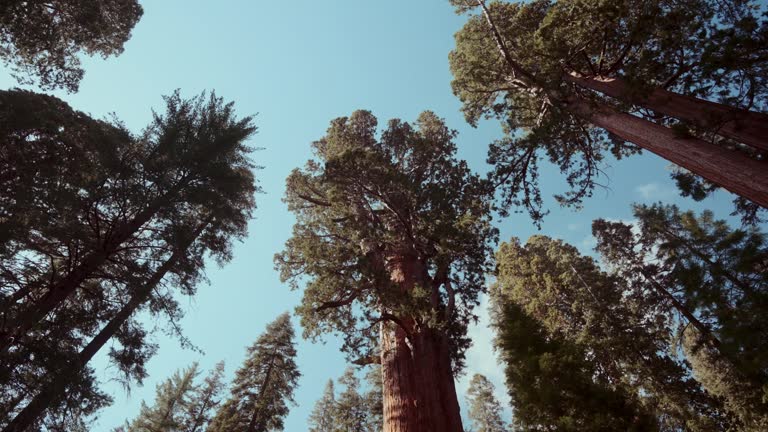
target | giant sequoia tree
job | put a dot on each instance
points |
(569, 71)
(43, 40)
(392, 237)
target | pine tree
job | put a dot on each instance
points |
(43, 40)
(263, 387)
(543, 68)
(352, 409)
(484, 408)
(393, 235)
(323, 417)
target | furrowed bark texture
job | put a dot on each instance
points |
(729, 169)
(419, 390)
(748, 127)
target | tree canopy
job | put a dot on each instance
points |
(42, 41)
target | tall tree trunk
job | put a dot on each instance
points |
(57, 387)
(63, 288)
(748, 127)
(729, 169)
(419, 390)
(256, 423)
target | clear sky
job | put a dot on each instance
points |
(300, 64)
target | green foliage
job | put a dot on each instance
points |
(704, 48)
(263, 387)
(45, 39)
(367, 203)
(181, 405)
(594, 323)
(717, 273)
(69, 184)
(351, 411)
(484, 409)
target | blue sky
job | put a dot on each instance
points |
(300, 64)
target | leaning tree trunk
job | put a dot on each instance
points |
(744, 126)
(419, 391)
(58, 384)
(63, 288)
(729, 169)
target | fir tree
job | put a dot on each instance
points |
(171, 402)
(263, 387)
(484, 408)
(323, 417)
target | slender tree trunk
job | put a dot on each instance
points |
(419, 390)
(63, 288)
(748, 127)
(59, 383)
(257, 420)
(729, 169)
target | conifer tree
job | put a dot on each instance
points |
(204, 401)
(625, 336)
(484, 408)
(554, 385)
(706, 276)
(42, 41)
(393, 235)
(89, 280)
(263, 387)
(553, 69)
(323, 416)
(171, 402)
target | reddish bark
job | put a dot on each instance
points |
(748, 127)
(419, 390)
(729, 169)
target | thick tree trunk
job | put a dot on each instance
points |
(57, 386)
(419, 390)
(62, 289)
(729, 169)
(748, 127)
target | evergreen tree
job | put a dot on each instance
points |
(171, 402)
(392, 234)
(705, 275)
(484, 408)
(43, 40)
(553, 383)
(203, 402)
(129, 235)
(624, 335)
(352, 407)
(556, 70)
(374, 398)
(263, 387)
(180, 405)
(323, 417)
